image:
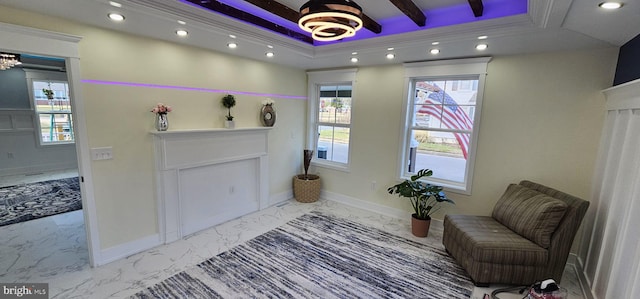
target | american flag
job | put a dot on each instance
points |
(442, 106)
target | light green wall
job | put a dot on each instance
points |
(119, 116)
(541, 120)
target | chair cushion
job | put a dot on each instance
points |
(488, 241)
(529, 213)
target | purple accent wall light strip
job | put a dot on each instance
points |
(235, 92)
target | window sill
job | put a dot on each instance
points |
(331, 165)
(57, 143)
(447, 187)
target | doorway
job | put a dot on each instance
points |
(30, 41)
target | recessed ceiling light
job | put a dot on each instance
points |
(434, 51)
(354, 59)
(182, 22)
(115, 4)
(116, 17)
(269, 54)
(232, 36)
(391, 56)
(270, 46)
(182, 32)
(435, 43)
(390, 49)
(354, 53)
(481, 47)
(482, 37)
(610, 5)
(232, 45)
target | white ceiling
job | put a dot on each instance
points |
(549, 25)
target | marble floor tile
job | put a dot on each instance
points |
(54, 250)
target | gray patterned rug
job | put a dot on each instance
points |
(36, 200)
(320, 256)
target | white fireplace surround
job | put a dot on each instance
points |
(206, 177)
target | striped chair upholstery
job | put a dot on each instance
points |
(492, 252)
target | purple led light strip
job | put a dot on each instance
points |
(437, 17)
(148, 85)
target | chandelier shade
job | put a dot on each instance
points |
(330, 20)
(8, 60)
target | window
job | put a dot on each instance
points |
(444, 100)
(330, 102)
(52, 107)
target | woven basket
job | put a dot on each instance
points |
(306, 190)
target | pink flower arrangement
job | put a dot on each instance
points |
(161, 109)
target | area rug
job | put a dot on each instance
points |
(36, 200)
(320, 256)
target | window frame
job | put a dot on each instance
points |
(324, 78)
(32, 75)
(442, 70)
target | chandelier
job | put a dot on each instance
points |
(8, 60)
(330, 20)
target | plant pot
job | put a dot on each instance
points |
(229, 124)
(420, 227)
(306, 188)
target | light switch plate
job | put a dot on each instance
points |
(102, 153)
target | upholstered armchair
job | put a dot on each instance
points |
(526, 239)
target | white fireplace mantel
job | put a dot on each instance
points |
(208, 176)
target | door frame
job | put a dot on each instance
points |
(20, 39)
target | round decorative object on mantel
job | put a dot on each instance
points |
(162, 122)
(268, 115)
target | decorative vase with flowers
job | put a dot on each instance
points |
(267, 113)
(162, 122)
(229, 101)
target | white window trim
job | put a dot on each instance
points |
(315, 79)
(434, 69)
(42, 75)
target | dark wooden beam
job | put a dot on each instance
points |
(235, 13)
(292, 15)
(277, 9)
(477, 7)
(411, 10)
(371, 25)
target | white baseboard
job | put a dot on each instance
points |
(121, 251)
(365, 205)
(578, 267)
(275, 199)
(39, 168)
(130, 248)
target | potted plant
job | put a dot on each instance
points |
(229, 101)
(48, 93)
(306, 187)
(424, 198)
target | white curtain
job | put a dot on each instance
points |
(613, 261)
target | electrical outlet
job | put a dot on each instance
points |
(9, 155)
(374, 184)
